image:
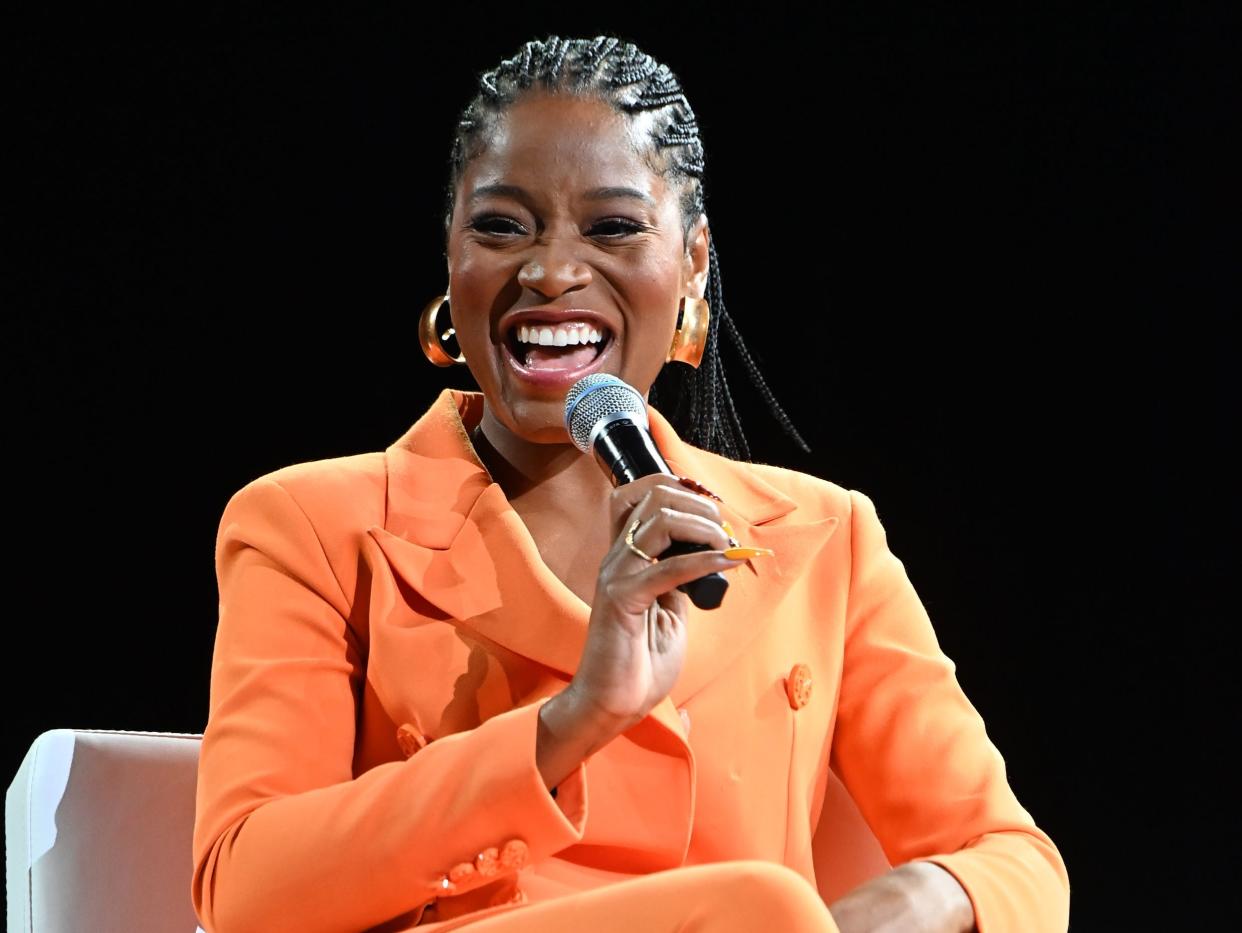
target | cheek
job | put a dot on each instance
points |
(653, 294)
(654, 290)
(475, 269)
(647, 275)
(475, 286)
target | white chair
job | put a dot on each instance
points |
(97, 829)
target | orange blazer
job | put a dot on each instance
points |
(388, 631)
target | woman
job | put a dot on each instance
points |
(452, 687)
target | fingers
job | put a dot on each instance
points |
(634, 592)
(664, 627)
(658, 529)
(649, 493)
(665, 511)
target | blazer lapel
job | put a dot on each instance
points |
(487, 579)
(452, 537)
(761, 515)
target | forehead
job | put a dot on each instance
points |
(560, 146)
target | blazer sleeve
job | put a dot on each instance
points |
(914, 754)
(286, 836)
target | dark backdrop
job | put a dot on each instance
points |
(971, 254)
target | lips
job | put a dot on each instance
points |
(554, 347)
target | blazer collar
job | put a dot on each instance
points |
(454, 540)
(441, 438)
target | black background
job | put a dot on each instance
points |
(973, 253)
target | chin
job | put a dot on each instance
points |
(534, 420)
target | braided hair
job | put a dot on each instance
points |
(633, 83)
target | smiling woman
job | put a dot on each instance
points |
(452, 686)
(562, 205)
(595, 139)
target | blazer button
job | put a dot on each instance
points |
(462, 871)
(410, 740)
(514, 855)
(798, 686)
(487, 862)
(443, 886)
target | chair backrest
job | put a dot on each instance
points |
(98, 828)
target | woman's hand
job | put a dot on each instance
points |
(920, 897)
(636, 640)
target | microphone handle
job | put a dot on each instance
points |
(626, 452)
(707, 592)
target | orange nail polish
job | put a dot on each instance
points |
(745, 553)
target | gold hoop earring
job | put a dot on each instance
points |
(429, 335)
(690, 338)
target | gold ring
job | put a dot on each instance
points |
(629, 542)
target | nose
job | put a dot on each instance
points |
(553, 269)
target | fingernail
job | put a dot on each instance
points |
(728, 529)
(745, 553)
(696, 486)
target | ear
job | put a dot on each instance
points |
(697, 261)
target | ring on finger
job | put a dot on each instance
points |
(629, 542)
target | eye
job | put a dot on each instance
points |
(614, 227)
(495, 224)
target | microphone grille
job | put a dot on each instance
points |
(597, 399)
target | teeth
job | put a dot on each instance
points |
(571, 333)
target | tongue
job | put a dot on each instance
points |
(570, 357)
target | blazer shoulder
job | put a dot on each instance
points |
(819, 497)
(316, 484)
(312, 511)
(814, 496)
(336, 495)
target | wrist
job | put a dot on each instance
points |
(571, 729)
(580, 708)
(918, 896)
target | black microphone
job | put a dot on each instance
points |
(607, 417)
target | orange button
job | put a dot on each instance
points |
(410, 740)
(443, 887)
(487, 862)
(462, 871)
(514, 855)
(798, 686)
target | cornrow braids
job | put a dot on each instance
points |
(700, 405)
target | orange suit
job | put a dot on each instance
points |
(388, 631)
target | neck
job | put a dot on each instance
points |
(555, 473)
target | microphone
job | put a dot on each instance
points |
(607, 417)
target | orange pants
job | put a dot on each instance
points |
(723, 896)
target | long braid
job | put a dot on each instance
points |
(751, 366)
(697, 402)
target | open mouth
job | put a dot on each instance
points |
(557, 348)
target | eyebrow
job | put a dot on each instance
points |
(595, 194)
